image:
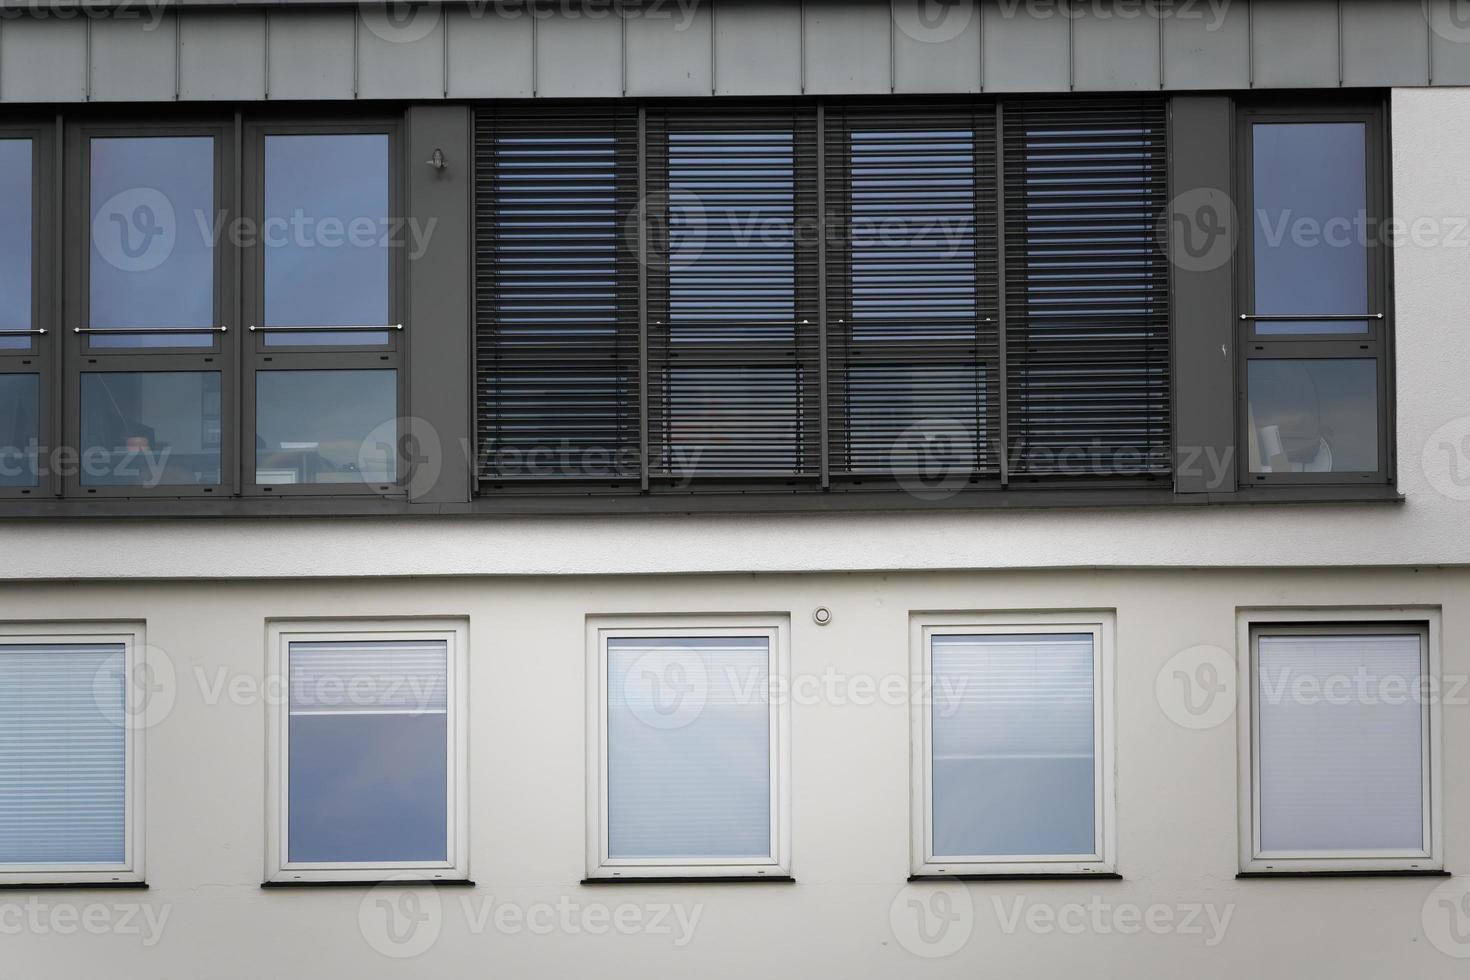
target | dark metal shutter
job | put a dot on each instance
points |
(912, 306)
(1087, 298)
(733, 341)
(556, 287)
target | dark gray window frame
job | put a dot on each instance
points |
(257, 356)
(80, 357)
(1377, 344)
(41, 356)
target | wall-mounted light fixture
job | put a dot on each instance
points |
(437, 160)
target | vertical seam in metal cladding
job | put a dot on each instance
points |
(444, 14)
(713, 87)
(892, 53)
(1339, 43)
(356, 49)
(622, 13)
(535, 50)
(178, 53)
(1160, 15)
(801, 43)
(979, 43)
(87, 80)
(1250, 44)
(267, 54)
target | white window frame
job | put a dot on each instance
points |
(923, 628)
(135, 666)
(600, 629)
(1251, 623)
(280, 635)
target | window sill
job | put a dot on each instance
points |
(693, 880)
(372, 883)
(74, 885)
(1403, 873)
(1037, 876)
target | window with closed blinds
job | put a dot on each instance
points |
(557, 294)
(1013, 750)
(733, 368)
(1341, 723)
(1087, 288)
(63, 755)
(368, 751)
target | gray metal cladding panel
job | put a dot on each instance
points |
(1449, 40)
(1026, 49)
(757, 47)
(668, 49)
(1295, 44)
(310, 55)
(1115, 53)
(847, 47)
(401, 57)
(43, 60)
(579, 56)
(1208, 47)
(133, 57)
(221, 55)
(490, 54)
(936, 46)
(1384, 43)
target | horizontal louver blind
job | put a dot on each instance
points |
(63, 781)
(913, 348)
(356, 677)
(1087, 312)
(733, 346)
(557, 293)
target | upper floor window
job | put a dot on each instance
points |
(1315, 318)
(25, 419)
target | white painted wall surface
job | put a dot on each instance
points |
(1176, 792)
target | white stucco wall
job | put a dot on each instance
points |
(1176, 794)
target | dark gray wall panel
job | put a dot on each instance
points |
(579, 56)
(401, 58)
(1384, 44)
(1206, 47)
(668, 49)
(757, 47)
(847, 47)
(1294, 43)
(1118, 52)
(490, 54)
(1449, 42)
(133, 57)
(43, 60)
(1025, 53)
(439, 304)
(222, 55)
(936, 46)
(310, 54)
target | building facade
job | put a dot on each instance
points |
(833, 488)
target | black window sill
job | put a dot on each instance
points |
(15, 886)
(693, 880)
(557, 502)
(1038, 876)
(373, 883)
(1405, 873)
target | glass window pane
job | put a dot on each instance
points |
(326, 427)
(1310, 224)
(150, 428)
(1312, 415)
(15, 242)
(1013, 753)
(368, 735)
(20, 429)
(326, 237)
(688, 747)
(63, 787)
(152, 257)
(1341, 764)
